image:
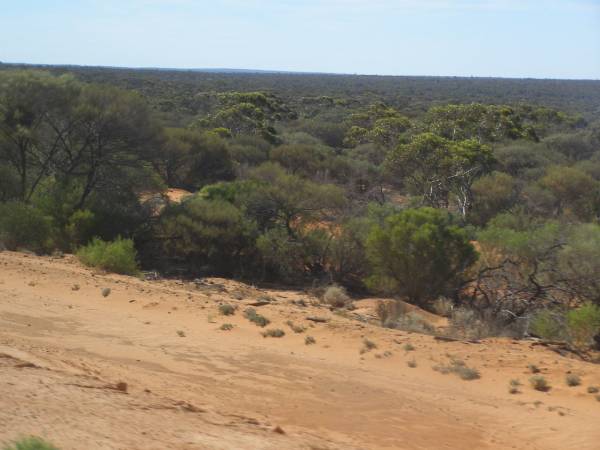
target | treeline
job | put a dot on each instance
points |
(490, 206)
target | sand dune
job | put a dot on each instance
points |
(148, 367)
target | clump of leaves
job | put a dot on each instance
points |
(309, 340)
(118, 256)
(539, 383)
(273, 332)
(572, 380)
(514, 385)
(253, 316)
(226, 327)
(226, 309)
(31, 443)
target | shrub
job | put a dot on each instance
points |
(418, 253)
(514, 386)
(369, 345)
(226, 327)
(295, 328)
(273, 332)
(572, 380)
(539, 383)
(227, 309)
(309, 340)
(584, 324)
(409, 347)
(336, 296)
(593, 390)
(459, 368)
(118, 256)
(443, 306)
(253, 316)
(412, 363)
(22, 226)
(533, 368)
(30, 443)
(548, 325)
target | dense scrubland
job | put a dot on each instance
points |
(475, 198)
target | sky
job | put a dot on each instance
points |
(500, 38)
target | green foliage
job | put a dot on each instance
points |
(434, 167)
(25, 227)
(583, 324)
(30, 443)
(493, 194)
(256, 318)
(539, 383)
(208, 233)
(549, 325)
(419, 254)
(576, 192)
(118, 256)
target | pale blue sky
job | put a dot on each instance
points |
(508, 38)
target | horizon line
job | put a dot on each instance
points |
(281, 72)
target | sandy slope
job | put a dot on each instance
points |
(63, 352)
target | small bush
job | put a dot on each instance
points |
(412, 363)
(459, 368)
(514, 385)
(367, 346)
(180, 333)
(296, 328)
(253, 316)
(443, 306)
(22, 226)
(592, 390)
(336, 296)
(226, 327)
(274, 332)
(548, 325)
(539, 383)
(30, 443)
(572, 380)
(533, 368)
(309, 340)
(598, 397)
(118, 256)
(105, 292)
(409, 347)
(227, 309)
(584, 323)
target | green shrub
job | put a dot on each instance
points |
(418, 253)
(118, 256)
(572, 380)
(336, 296)
(309, 340)
(274, 332)
(30, 443)
(584, 324)
(549, 325)
(227, 309)
(226, 327)
(22, 226)
(253, 316)
(539, 383)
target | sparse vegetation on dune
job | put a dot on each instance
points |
(30, 443)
